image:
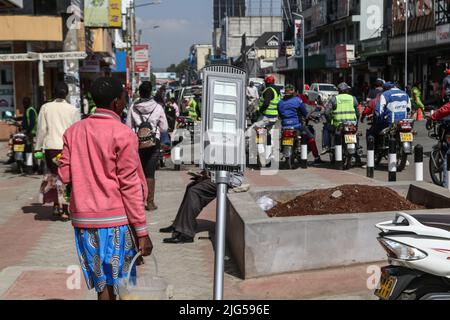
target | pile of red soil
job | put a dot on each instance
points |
(344, 199)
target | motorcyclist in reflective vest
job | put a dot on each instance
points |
(268, 103)
(416, 97)
(340, 108)
(194, 106)
(29, 121)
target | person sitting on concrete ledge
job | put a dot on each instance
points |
(199, 193)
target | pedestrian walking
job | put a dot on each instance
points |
(54, 119)
(100, 160)
(147, 118)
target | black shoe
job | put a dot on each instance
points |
(179, 238)
(170, 229)
(318, 161)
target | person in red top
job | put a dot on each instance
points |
(441, 113)
(100, 160)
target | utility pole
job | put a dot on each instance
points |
(132, 18)
(303, 49)
(132, 40)
(406, 43)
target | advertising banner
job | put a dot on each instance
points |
(96, 13)
(103, 13)
(115, 13)
(141, 59)
(371, 19)
(420, 16)
(298, 38)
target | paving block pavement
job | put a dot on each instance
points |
(37, 253)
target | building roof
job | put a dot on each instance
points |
(264, 40)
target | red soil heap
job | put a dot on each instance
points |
(343, 199)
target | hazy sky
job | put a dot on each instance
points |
(182, 23)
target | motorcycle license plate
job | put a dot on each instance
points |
(259, 140)
(406, 137)
(288, 141)
(350, 139)
(19, 148)
(387, 285)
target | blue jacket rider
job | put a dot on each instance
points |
(291, 108)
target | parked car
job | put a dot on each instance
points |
(323, 90)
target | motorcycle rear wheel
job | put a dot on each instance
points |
(348, 162)
(401, 162)
(20, 166)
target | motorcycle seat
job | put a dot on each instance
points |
(441, 221)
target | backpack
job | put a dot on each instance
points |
(146, 134)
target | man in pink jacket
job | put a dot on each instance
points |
(101, 163)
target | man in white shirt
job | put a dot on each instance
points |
(252, 98)
(54, 119)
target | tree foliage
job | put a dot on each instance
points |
(180, 68)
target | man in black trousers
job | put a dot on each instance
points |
(199, 193)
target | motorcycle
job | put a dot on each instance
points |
(439, 130)
(21, 150)
(187, 126)
(291, 144)
(351, 149)
(264, 141)
(418, 249)
(403, 134)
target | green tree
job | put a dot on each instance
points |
(179, 68)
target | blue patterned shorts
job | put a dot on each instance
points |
(105, 256)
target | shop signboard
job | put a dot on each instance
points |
(298, 38)
(344, 54)
(443, 34)
(313, 48)
(90, 65)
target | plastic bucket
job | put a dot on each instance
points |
(146, 286)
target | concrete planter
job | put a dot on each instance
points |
(264, 246)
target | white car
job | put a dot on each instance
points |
(323, 90)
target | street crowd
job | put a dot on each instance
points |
(101, 169)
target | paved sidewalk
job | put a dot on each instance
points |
(37, 251)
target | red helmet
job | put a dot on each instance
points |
(447, 71)
(269, 79)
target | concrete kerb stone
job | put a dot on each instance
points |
(263, 246)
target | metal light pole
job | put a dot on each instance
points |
(132, 11)
(140, 32)
(406, 43)
(303, 49)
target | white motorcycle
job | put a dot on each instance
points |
(418, 248)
